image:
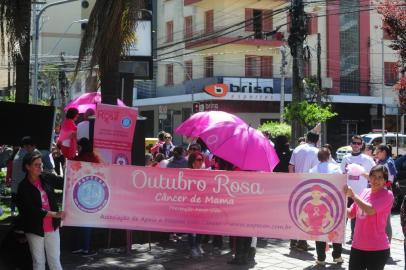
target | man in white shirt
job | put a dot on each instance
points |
(84, 126)
(357, 183)
(304, 157)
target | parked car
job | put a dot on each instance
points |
(399, 185)
(341, 152)
(397, 141)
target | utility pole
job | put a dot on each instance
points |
(383, 93)
(323, 137)
(283, 65)
(297, 36)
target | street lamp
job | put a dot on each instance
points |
(64, 33)
(35, 45)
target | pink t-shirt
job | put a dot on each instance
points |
(369, 231)
(47, 223)
(316, 214)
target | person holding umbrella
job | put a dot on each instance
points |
(67, 136)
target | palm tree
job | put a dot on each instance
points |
(15, 25)
(109, 32)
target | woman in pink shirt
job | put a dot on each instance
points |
(370, 246)
(39, 213)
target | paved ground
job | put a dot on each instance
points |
(271, 254)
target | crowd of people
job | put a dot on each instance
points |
(34, 176)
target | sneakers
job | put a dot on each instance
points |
(200, 249)
(304, 247)
(320, 262)
(338, 260)
(77, 251)
(89, 253)
(195, 253)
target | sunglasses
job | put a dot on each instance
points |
(194, 149)
(356, 143)
(168, 137)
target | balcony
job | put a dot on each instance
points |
(251, 41)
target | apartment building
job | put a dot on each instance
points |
(206, 42)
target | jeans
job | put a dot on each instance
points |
(370, 260)
(194, 240)
(82, 239)
(49, 245)
(321, 250)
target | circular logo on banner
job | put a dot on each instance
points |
(316, 207)
(126, 122)
(90, 194)
(121, 160)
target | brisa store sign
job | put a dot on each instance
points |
(300, 206)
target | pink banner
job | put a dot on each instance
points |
(113, 133)
(276, 205)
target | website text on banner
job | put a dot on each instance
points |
(113, 133)
(287, 206)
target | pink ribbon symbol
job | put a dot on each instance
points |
(316, 212)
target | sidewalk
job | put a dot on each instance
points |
(271, 254)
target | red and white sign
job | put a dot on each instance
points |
(113, 133)
(216, 90)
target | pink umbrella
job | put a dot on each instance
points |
(242, 145)
(88, 101)
(198, 122)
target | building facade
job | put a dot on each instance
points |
(238, 43)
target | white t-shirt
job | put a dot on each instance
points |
(326, 167)
(83, 130)
(357, 183)
(304, 157)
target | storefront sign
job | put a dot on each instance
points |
(249, 85)
(237, 203)
(113, 133)
(216, 90)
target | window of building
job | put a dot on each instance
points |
(169, 31)
(391, 73)
(252, 66)
(169, 74)
(188, 70)
(266, 66)
(209, 21)
(258, 21)
(188, 27)
(349, 48)
(208, 66)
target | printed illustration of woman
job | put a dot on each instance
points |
(315, 218)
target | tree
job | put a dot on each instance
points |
(109, 33)
(15, 30)
(394, 23)
(276, 129)
(308, 114)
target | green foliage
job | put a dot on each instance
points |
(276, 129)
(10, 98)
(309, 114)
